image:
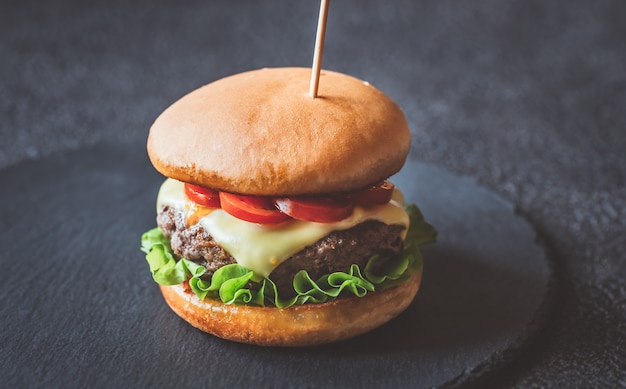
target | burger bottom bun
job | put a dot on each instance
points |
(305, 325)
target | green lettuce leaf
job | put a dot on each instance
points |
(166, 270)
(234, 284)
(420, 232)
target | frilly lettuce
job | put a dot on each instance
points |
(234, 284)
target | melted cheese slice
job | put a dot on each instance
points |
(261, 248)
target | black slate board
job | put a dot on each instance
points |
(79, 308)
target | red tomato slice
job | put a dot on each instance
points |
(378, 194)
(253, 209)
(316, 209)
(202, 196)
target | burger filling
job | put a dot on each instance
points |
(288, 263)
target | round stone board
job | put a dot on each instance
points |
(79, 307)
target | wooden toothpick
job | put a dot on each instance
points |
(319, 48)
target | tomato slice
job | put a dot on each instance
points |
(316, 209)
(254, 209)
(202, 196)
(378, 194)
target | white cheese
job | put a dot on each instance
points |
(261, 248)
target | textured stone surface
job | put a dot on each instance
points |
(528, 97)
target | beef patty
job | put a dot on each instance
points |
(335, 252)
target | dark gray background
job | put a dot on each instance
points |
(528, 97)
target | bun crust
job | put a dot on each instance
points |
(306, 325)
(260, 133)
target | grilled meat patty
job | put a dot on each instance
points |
(335, 252)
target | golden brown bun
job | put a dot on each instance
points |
(260, 133)
(306, 325)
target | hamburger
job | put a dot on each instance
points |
(277, 223)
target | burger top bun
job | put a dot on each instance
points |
(260, 133)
